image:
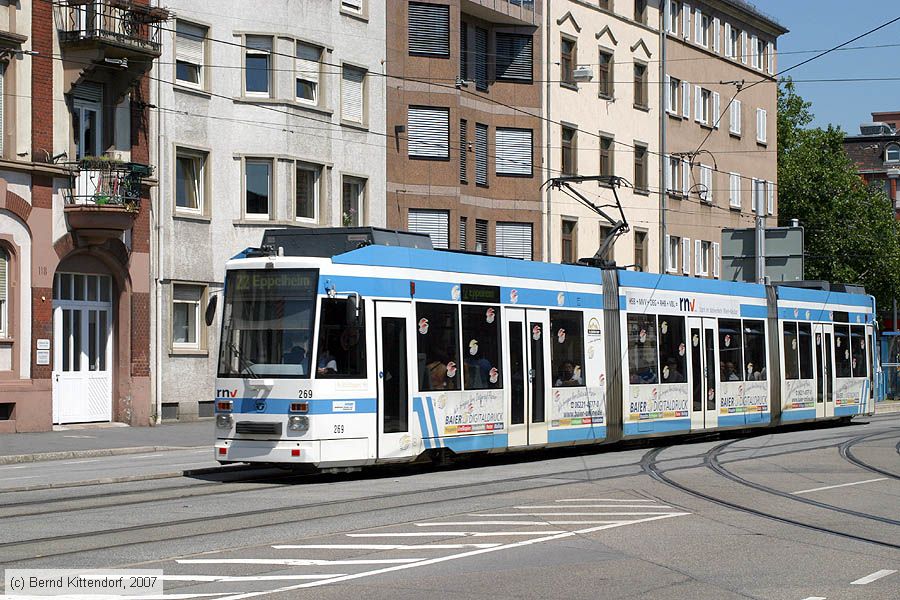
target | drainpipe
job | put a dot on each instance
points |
(157, 280)
(548, 256)
(662, 141)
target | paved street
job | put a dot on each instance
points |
(795, 514)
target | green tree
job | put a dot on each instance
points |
(851, 232)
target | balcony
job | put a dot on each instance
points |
(103, 198)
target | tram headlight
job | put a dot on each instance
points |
(298, 423)
(224, 421)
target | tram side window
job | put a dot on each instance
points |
(437, 341)
(481, 347)
(791, 360)
(730, 354)
(755, 350)
(858, 351)
(642, 365)
(805, 345)
(567, 348)
(672, 359)
(842, 351)
(342, 341)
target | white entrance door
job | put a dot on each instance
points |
(527, 376)
(82, 357)
(395, 378)
(703, 372)
(823, 335)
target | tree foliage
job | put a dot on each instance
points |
(851, 232)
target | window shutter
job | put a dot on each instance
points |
(761, 125)
(307, 63)
(514, 56)
(734, 190)
(513, 150)
(706, 180)
(189, 42)
(686, 255)
(668, 171)
(715, 109)
(87, 90)
(754, 52)
(481, 236)
(686, 21)
(770, 51)
(4, 266)
(514, 240)
(667, 16)
(717, 48)
(669, 258)
(716, 258)
(669, 99)
(428, 132)
(740, 115)
(770, 203)
(435, 223)
(698, 264)
(481, 153)
(743, 48)
(698, 27)
(463, 232)
(429, 29)
(481, 50)
(463, 149)
(352, 100)
(259, 42)
(728, 53)
(698, 103)
(2, 109)
(686, 99)
(685, 177)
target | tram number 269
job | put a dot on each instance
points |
(339, 429)
(305, 394)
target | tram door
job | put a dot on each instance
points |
(823, 335)
(704, 372)
(395, 378)
(528, 375)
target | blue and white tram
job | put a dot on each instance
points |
(349, 347)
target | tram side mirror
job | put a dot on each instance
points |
(211, 310)
(353, 309)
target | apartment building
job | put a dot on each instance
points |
(75, 212)
(464, 132)
(720, 138)
(271, 115)
(602, 117)
(876, 153)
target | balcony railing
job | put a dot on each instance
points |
(102, 182)
(122, 23)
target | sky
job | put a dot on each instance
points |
(822, 24)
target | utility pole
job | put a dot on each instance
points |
(760, 230)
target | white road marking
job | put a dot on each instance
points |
(452, 533)
(143, 456)
(816, 598)
(22, 477)
(576, 514)
(381, 546)
(831, 487)
(467, 523)
(440, 559)
(294, 562)
(557, 507)
(873, 577)
(80, 462)
(246, 578)
(16, 467)
(606, 500)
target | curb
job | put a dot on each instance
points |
(887, 408)
(67, 454)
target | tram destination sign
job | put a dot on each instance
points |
(281, 281)
(480, 293)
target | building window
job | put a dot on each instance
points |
(481, 154)
(513, 149)
(640, 168)
(434, 223)
(514, 240)
(463, 150)
(734, 190)
(735, 122)
(428, 132)
(306, 190)
(353, 201)
(514, 57)
(481, 236)
(481, 52)
(672, 244)
(702, 98)
(568, 55)
(640, 11)
(87, 119)
(353, 95)
(4, 292)
(569, 148)
(640, 85)
(706, 184)
(732, 41)
(429, 29)
(640, 250)
(569, 241)
(190, 181)
(761, 54)
(604, 4)
(308, 67)
(761, 125)
(701, 252)
(673, 95)
(187, 332)
(190, 44)
(673, 175)
(607, 166)
(892, 154)
(671, 16)
(257, 65)
(703, 28)
(605, 74)
(258, 187)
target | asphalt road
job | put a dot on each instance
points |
(796, 514)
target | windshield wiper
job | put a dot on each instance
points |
(244, 362)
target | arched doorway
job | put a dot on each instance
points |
(83, 354)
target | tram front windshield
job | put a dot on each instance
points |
(267, 323)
